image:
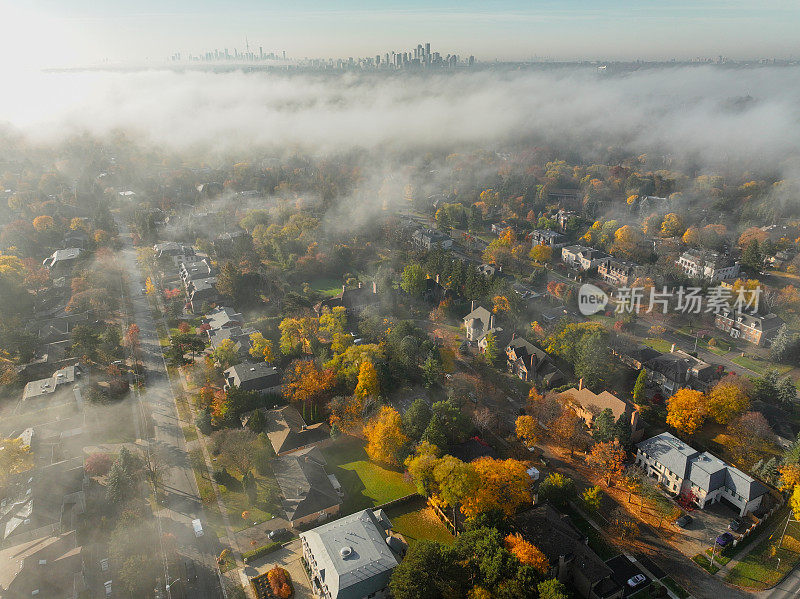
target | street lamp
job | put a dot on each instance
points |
(713, 548)
(169, 594)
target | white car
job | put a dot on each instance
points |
(635, 581)
(198, 528)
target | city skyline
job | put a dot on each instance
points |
(84, 33)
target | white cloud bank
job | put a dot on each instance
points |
(684, 111)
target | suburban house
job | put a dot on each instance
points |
(62, 379)
(571, 559)
(201, 292)
(352, 557)
(171, 248)
(582, 258)
(678, 369)
(710, 266)
(588, 405)
(755, 328)
(427, 239)
(52, 330)
(352, 300)
(240, 339)
(478, 322)
(288, 432)
(51, 566)
(223, 317)
(633, 355)
(61, 262)
(683, 470)
(572, 199)
(253, 376)
(529, 363)
(309, 493)
(198, 269)
(549, 238)
(619, 273)
(563, 217)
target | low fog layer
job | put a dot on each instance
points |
(709, 114)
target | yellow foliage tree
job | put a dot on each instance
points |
(15, 457)
(686, 411)
(385, 437)
(503, 485)
(43, 223)
(608, 459)
(500, 303)
(691, 236)
(790, 476)
(672, 225)
(261, 347)
(527, 553)
(541, 253)
(794, 502)
(149, 287)
(368, 384)
(527, 430)
(726, 401)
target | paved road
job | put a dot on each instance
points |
(182, 503)
(787, 589)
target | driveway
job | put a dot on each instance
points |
(288, 557)
(622, 570)
(706, 526)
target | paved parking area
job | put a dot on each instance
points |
(623, 569)
(706, 526)
(288, 557)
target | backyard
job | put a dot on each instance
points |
(365, 483)
(416, 521)
(771, 560)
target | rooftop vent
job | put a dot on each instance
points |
(346, 552)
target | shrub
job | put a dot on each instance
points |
(223, 477)
(280, 582)
(203, 421)
(97, 464)
(254, 554)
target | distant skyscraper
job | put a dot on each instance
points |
(427, 49)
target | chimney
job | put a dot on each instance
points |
(374, 287)
(580, 384)
(513, 335)
(437, 278)
(359, 284)
(491, 321)
(672, 349)
(344, 287)
(472, 306)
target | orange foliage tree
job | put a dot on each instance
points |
(686, 411)
(608, 459)
(503, 485)
(527, 553)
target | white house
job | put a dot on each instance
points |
(682, 470)
(711, 266)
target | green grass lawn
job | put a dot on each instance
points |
(365, 483)
(658, 344)
(327, 286)
(760, 568)
(416, 521)
(703, 561)
(760, 366)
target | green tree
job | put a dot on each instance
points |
(119, 486)
(752, 257)
(416, 418)
(257, 421)
(787, 392)
(557, 489)
(591, 498)
(492, 350)
(430, 570)
(552, 589)
(604, 426)
(412, 281)
(435, 433)
(639, 388)
(454, 421)
(431, 371)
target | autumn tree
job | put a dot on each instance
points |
(43, 223)
(557, 489)
(261, 347)
(455, 480)
(672, 225)
(569, 430)
(367, 385)
(385, 437)
(307, 384)
(15, 457)
(503, 485)
(686, 411)
(591, 497)
(608, 459)
(527, 430)
(726, 401)
(421, 465)
(541, 253)
(527, 553)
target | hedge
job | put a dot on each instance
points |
(249, 556)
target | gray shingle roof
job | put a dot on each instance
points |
(305, 484)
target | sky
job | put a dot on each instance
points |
(84, 32)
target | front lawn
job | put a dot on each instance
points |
(417, 521)
(760, 366)
(365, 483)
(659, 345)
(329, 286)
(768, 562)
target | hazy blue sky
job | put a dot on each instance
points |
(66, 31)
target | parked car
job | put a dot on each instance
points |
(636, 580)
(191, 572)
(735, 525)
(724, 539)
(684, 521)
(198, 528)
(278, 533)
